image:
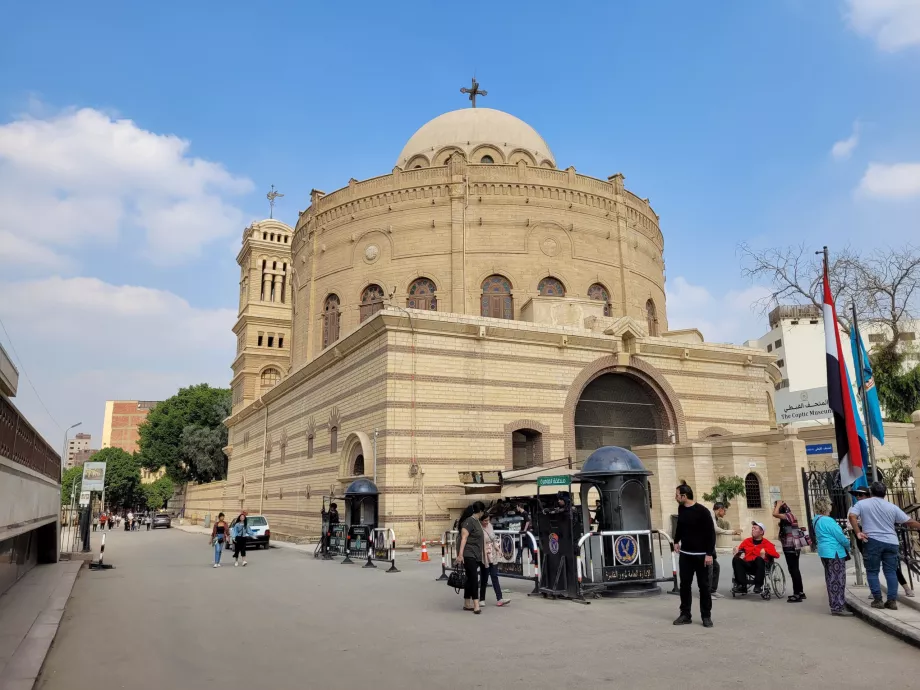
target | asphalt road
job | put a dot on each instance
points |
(165, 619)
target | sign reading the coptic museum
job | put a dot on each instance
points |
(93, 476)
(555, 480)
(799, 406)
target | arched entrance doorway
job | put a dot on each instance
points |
(618, 410)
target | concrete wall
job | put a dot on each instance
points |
(27, 499)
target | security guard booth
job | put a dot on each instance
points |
(361, 511)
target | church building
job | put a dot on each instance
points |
(475, 308)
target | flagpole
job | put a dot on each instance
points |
(862, 396)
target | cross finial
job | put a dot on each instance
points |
(475, 91)
(271, 196)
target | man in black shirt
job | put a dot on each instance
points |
(525, 527)
(695, 541)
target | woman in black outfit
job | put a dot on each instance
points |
(470, 552)
(791, 551)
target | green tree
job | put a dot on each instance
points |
(725, 490)
(157, 493)
(186, 434)
(122, 477)
(898, 390)
(74, 474)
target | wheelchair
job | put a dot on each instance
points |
(774, 582)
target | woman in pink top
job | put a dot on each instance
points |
(489, 568)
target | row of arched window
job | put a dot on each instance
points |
(496, 301)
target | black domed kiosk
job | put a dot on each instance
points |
(361, 515)
(618, 556)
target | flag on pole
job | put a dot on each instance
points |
(840, 396)
(865, 379)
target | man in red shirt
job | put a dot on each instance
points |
(751, 557)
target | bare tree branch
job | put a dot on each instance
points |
(884, 286)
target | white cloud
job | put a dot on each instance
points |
(728, 318)
(891, 181)
(82, 176)
(844, 148)
(893, 24)
(85, 341)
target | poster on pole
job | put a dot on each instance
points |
(93, 476)
(84, 498)
(800, 406)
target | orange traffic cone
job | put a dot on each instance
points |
(424, 557)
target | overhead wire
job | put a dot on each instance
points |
(26, 374)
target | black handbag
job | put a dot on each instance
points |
(457, 579)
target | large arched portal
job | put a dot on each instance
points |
(618, 410)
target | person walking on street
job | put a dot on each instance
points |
(723, 527)
(95, 522)
(147, 521)
(792, 539)
(241, 533)
(695, 541)
(219, 535)
(470, 553)
(489, 569)
(834, 551)
(878, 518)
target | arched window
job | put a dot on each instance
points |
(551, 287)
(330, 320)
(358, 466)
(651, 318)
(752, 491)
(487, 160)
(333, 439)
(496, 298)
(270, 378)
(421, 295)
(599, 292)
(371, 301)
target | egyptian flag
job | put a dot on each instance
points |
(840, 396)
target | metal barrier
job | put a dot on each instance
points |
(626, 566)
(382, 548)
(510, 562)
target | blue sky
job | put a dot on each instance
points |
(137, 140)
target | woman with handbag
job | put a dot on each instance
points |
(834, 550)
(471, 554)
(489, 569)
(219, 534)
(793, 539)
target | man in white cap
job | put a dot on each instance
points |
(751, 558)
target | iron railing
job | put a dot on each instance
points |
(23, 445)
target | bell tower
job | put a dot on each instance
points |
(264, 326)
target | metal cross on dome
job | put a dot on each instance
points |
(475, 91)
(271, 196)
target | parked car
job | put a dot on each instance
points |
(261, 532)
(162, 520)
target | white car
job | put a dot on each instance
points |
(261, 532)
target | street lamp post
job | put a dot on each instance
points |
(64, 450)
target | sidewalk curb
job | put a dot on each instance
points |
(878, 619)
(24, 667)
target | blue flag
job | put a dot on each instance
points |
(865, 379)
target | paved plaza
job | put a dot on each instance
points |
(164, 618)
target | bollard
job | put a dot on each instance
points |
(100, 565)
(676, 589)
(443, 562)
(536, 570)
(347, 560)
(393, 568)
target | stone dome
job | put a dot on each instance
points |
(470, 129)
(613, 460)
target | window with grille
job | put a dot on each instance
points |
(270, 378)
(752, 491)
(371, 301)
(770, 347)
(487, 160)
(496, 299)
(651, 317)
(908, 335)
(330, 320)
(599, 293)
(358, 467)
(778, 344)
(421, 295)
(876, 338)
(781, 363)
(551, 287)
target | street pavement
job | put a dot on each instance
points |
(164, 618)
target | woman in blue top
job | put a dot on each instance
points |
(240, 532)
(834, 549)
